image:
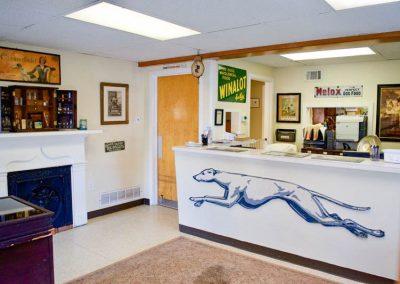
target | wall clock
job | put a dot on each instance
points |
(197, 67)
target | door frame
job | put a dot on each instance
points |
(268, 99)
(153, 119)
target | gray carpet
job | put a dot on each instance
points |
(186, 261)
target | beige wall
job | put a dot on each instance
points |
(256, 115)
(368, 74)
(105, 171)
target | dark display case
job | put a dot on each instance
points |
(26, 242)
(66, 109)
(31, 108)
(5, 110)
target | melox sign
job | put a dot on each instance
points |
(338, 91)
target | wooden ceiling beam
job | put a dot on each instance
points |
(280, 48)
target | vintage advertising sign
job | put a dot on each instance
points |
(338, 91)
(232, 84)
(29, 66)
(114, 146)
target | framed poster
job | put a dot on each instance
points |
(219, 117)
(19, 65)
(114, 103)
(388, 113)
(288, 107)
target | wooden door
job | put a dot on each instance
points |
(178, 120)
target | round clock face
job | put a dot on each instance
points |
(197, 68)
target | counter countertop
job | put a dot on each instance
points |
(365, 165)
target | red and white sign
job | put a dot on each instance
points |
(338, 91)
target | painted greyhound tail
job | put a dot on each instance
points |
(317, 194)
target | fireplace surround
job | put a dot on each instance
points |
(49, 188)
(28, 151)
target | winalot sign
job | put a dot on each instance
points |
(338, 91)
(232, 84)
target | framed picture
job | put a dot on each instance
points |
(255, 102)
(288, 107)
(29, 66)
(388, 113)
(114, 103)
(219, 117)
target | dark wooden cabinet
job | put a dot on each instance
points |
(31, 108)
(5, 110)
(26, 243)
(66, 109)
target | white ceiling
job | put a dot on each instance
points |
(224, 25)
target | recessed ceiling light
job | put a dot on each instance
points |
(329, 53)
(348, 4)
(119, 18)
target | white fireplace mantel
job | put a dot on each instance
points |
(36, 150)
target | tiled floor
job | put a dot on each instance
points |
(113, 237)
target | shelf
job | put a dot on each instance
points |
(13, 135)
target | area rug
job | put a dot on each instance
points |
(186, 261)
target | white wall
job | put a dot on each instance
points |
(368, 74)
(106, 171)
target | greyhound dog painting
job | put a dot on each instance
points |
(252, 192)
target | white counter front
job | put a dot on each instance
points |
(342, 213)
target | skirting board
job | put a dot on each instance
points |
(116, 208)
(292, 258)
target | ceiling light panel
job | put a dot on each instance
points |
(108, 15)
(329, 53)
(348, 4)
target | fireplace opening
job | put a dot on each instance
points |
(49, 188)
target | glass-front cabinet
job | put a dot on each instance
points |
(5, 110)
(31, 108)
(66, 109)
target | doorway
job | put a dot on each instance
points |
(177, 123)
(256, 109)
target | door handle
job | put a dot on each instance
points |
(159, 147)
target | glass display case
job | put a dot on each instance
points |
(26, 242)
(31, 108)
(5, 110)
(66, 109)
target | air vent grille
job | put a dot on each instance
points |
(313, 75)
(119, 196)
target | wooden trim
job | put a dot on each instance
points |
(286, 47)
(296, 259)
(116, 208)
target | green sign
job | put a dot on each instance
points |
(232, 84)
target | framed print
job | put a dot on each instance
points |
(114, 103)
(29, 66)
(388, 113)
(255, 102)
(288, 107)
(219, 117)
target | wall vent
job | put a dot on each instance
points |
(313, 75)
(119, 196)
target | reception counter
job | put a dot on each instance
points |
(337, 214)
